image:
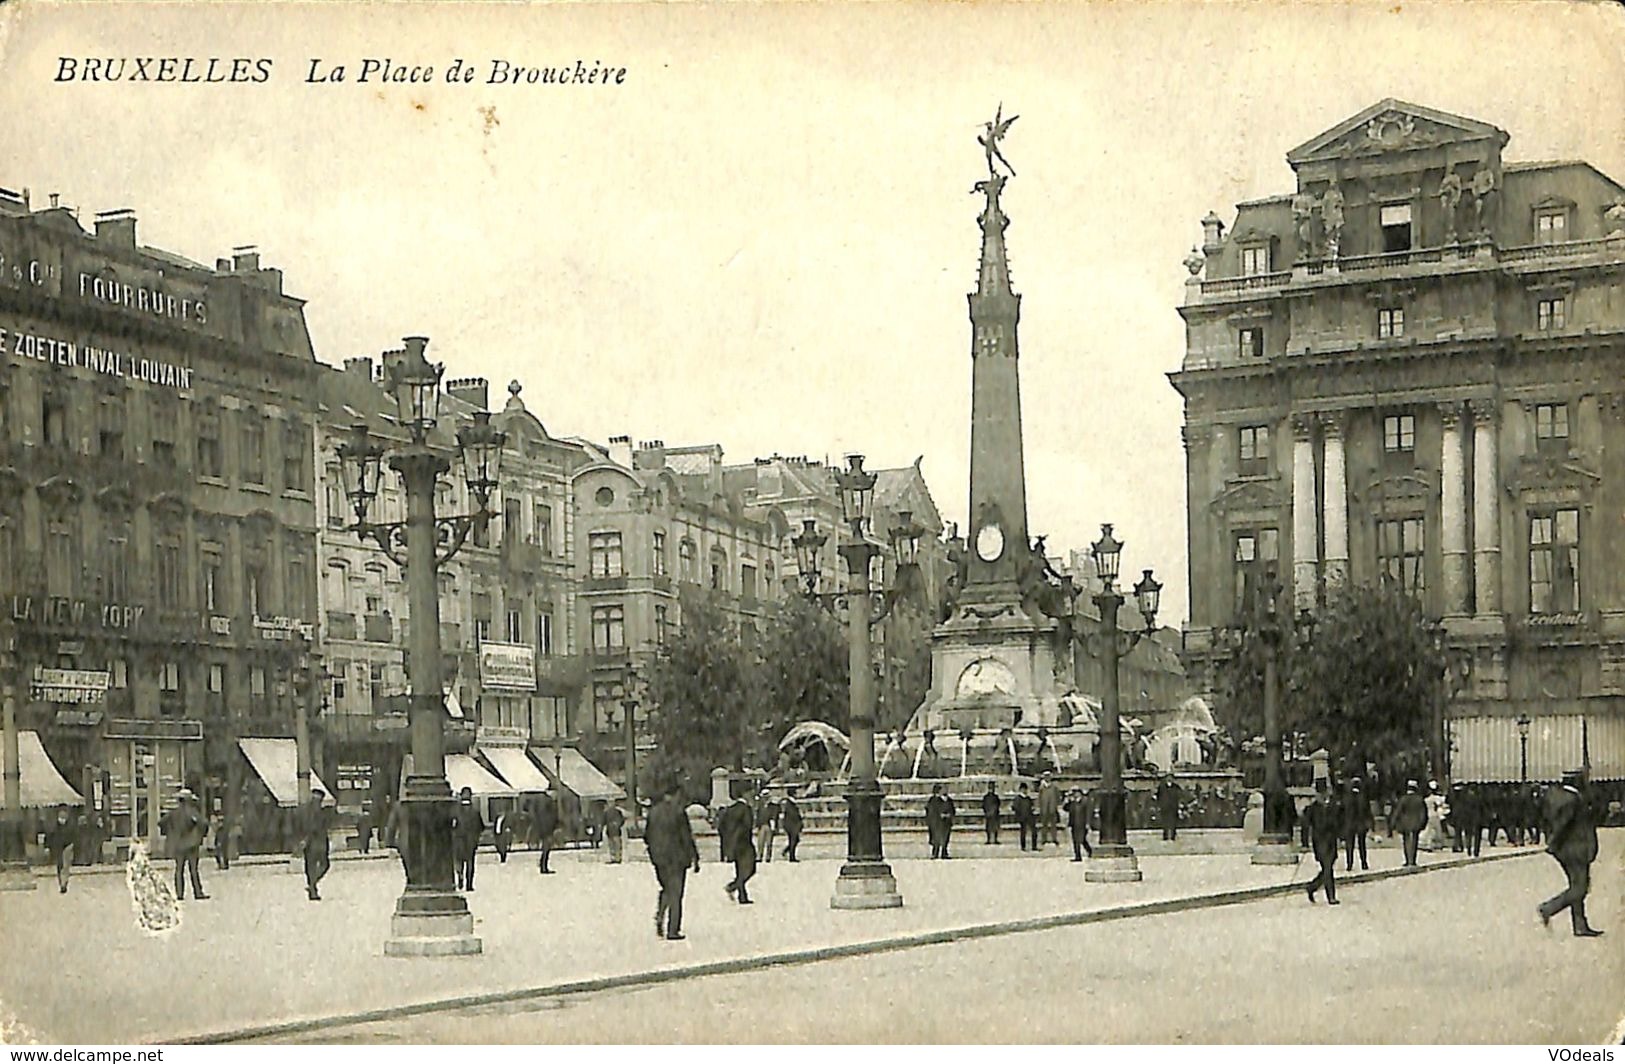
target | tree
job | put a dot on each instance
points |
(805, 668)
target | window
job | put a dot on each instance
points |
(1252, 342)
(293, 457)
(747, 581)
(511, 521)
(110, 430)
(169, 677)
(608, 629)
(1399, 433)
(686, 560)
(296, 598)
(1390, 323)
(1396, 227)
(213, 573)
(516, 627)
(719, 569)
(662, 624)
(1552, 425)
(255, 588)
(253, 448)
(164, 424)
(1255, 259)
(1551, 313)
(482, 617)
(657, 553)
(544, 528)
(217, 678)
(1256, 549)
(338, 510)
(1399, 552)
(61, 557)
(119, 561)
(606, 703)
(256, 681)
(339, 687)
(1551, 226)
(8, 554)
(544, 631)
(605, 551)
(54, 419)
(1255, 448)
(1554, 561)
(210, 460)
(170, 576)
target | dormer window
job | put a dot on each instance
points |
(1551, 225)
(1396, 227)
(1255, 260)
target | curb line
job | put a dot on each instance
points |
(729, 966)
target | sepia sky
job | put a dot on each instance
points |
(764, 236)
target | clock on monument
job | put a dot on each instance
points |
(990, 543)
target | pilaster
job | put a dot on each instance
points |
(1305, 555)
(1453, 509)
(1486, 512)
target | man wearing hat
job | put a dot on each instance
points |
(670, 842)
(1322, 823)
(1356, 824)
(736, 826)
(1077, 819)
(466, 827)
(314, 826)
(184, 827)
(1410, 817)
(1049, 812)
(1571, 837)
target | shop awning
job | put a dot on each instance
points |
(42, 784)
(1605, 742)
(463, 771)
(1488, 750)
(276, 762)
(580, 775)
(513, 765)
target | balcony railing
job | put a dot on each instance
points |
(1225, 285)
(341, 625)
(379, 628)
(1564, 250)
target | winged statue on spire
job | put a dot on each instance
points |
(993, 132)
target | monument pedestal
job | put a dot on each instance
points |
(432, 924)
(1112, 864)
(866, 885)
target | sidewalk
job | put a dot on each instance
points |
(259, 955)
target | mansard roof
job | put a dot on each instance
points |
(1393, 125)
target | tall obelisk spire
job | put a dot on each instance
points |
(998, 483)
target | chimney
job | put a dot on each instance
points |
(245, 259)
(56, 200)
(620, 450)
(475, 391)
(359, 367)
(117, 227)
(1212, 234)
(652, 455)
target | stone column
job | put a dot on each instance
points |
(1305, 557)
(1335, 503)
(1453, 510)
(1486, 509)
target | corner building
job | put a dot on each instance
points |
(1412, 368)
(157, 523)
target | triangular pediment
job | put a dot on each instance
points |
(1393, 125)
(1249, 495)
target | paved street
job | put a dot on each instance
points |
(1453, 957)
(258, 952)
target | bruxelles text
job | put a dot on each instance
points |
(368, 71)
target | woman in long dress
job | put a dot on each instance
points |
(1433, 837)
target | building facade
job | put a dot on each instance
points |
(1410, 368)
(157, 531)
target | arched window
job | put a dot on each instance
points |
(686, 560)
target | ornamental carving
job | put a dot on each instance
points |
(1555, 475)
(1248, 495)
(1407, 488)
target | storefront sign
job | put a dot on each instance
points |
(220, 625)
(149, 728)
(70, 686)
(507, 667)
(75, 613)
(282, 629)
(54, 351)
(78, 718)
(1555, 620)
(70, 648)
(496, 735)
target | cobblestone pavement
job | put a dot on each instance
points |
(258, 952)
(1452, 957)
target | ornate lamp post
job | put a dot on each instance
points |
(1113, 860)
(866, 880)
(14, 873)
(629, 705)
(1523, 746)
(1275, 838)
(431, 917)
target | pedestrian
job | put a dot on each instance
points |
(1322, 823)
(1471, 820)
(767, 825)
(315, 826)
(1409, 818)
(1357, 824)
(544, 825)
(736, 827)
(502, 834)
(614, 831)
(217, 833)
(1490, 809)
(1049, 811)
(938, 821)
(790, 818)
(184, 827)
(1433, 837)
(1532, 812)
(990, 814)
(61, 837)
(466, 827)
(1571, 838)
(1026, 822)
(1168, 807)
(1077, 818)
(363, 832)
(670, 843)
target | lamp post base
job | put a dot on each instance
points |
(1275, 850)
(866, 885)
(16, 875)
(432, 924)
(1112, 864)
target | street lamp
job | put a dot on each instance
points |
(431, 917)
(1275, 836)
(866, 880)
(629, 704)
(1523, 746)
(1113, 860)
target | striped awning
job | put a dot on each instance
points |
(1488, 749)
(42, 785)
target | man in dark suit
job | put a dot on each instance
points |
(1571, 837)
(544, 824)
(1077, 818)
(938, 820)
(1409, 818)
(466, 827)
(1322, 824)
(1356, 824)
(1026, 823)
(314, 826)
(790, 818)
(184, 827)
(670, 842)
(1470, 821)
(736, 825)
(1168, 807)
(991, 804)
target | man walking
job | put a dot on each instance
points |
(1356, 824)
(60, 840)
(1168, 807)
(1026, 824)
(1470, 821)
(314, 826)
(502, 835)
(990, 813)
(1322, 823)
(466, 827)
(1049, 811)
(790, 817)
(1571, 838)
(184, 827)
(767, 823)
(670, 843)
(614, 832)
(1410, 817)
(938, 821)
(736, 827)
(1077, 818)
(544, 823)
